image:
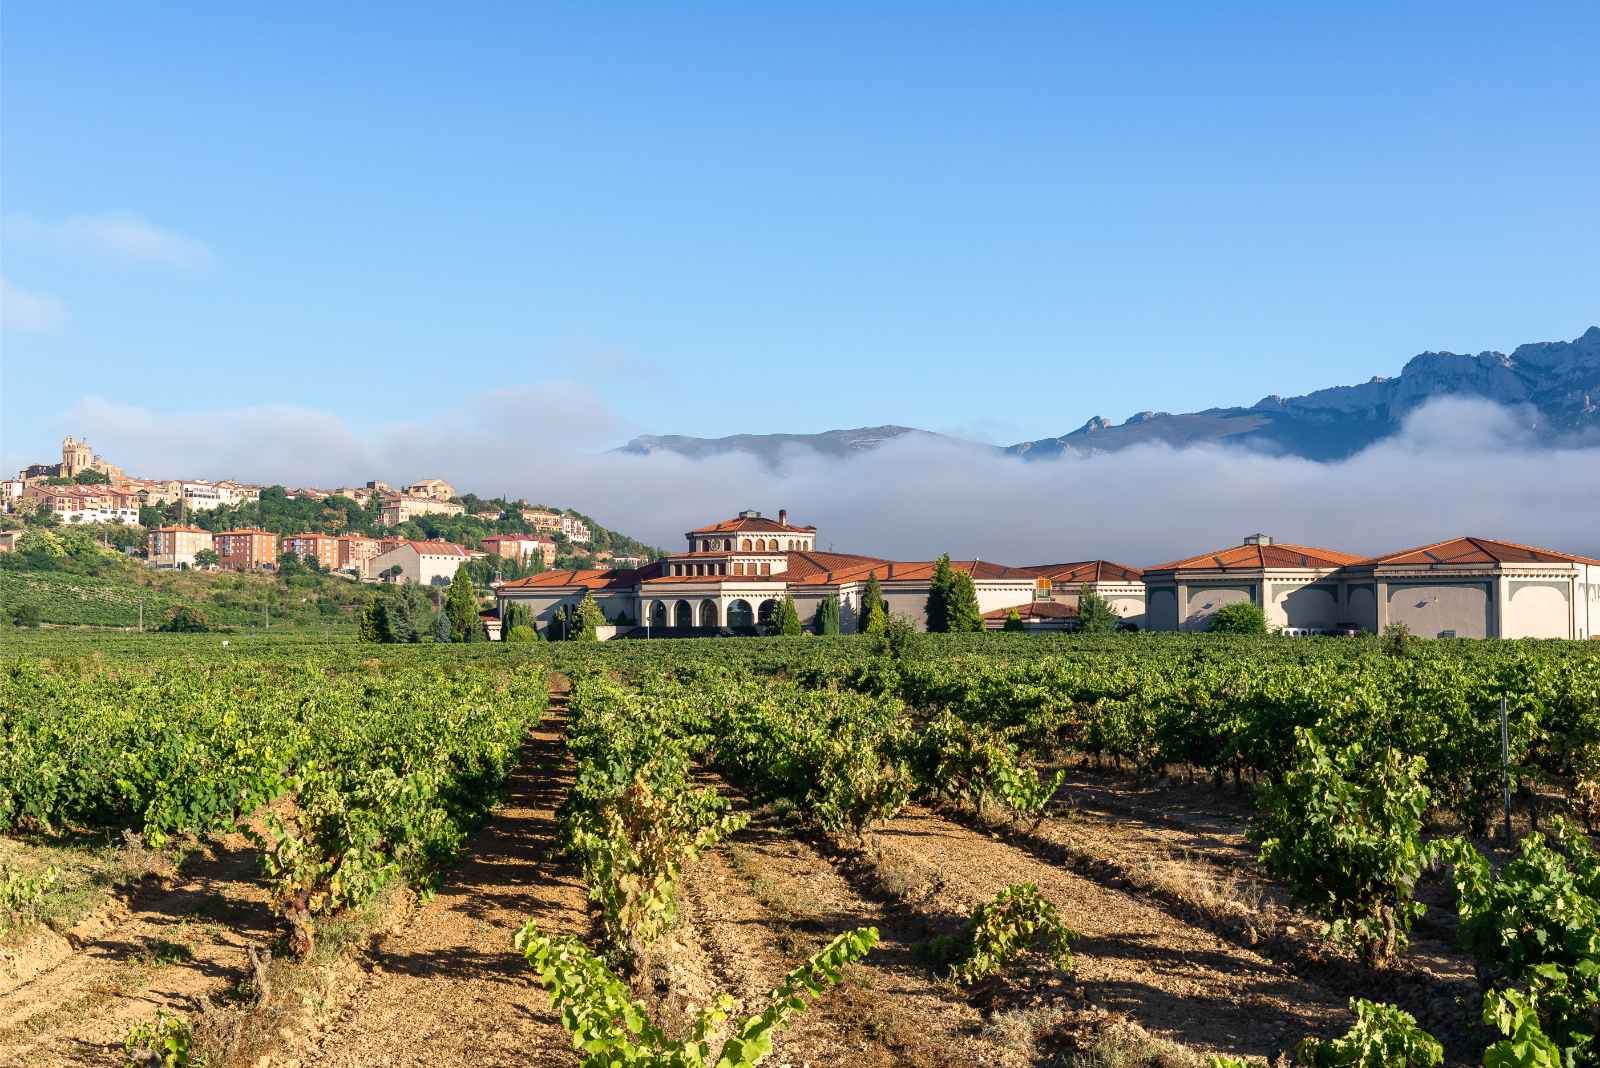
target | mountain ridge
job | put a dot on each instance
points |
(1559, 381)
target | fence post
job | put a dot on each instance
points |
(1505, 766)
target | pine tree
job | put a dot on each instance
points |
(964, 617)
(441, 628)
(873, 616)
(789, 618)
(461, 607)
(1013, 623)
(827, 620)
(557, 630)
(1095, 614)
(939, 590)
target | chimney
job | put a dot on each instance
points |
(783, 517)
(1258, 539)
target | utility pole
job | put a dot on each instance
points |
(141, 617)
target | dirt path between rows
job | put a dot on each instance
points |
(447, 989)
(1176, 979)
(167, 945)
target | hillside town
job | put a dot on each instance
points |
(85, 489)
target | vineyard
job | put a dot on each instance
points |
(1184, 851)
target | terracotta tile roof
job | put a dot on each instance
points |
(1256, 557)
(1084, 571)
(247, 530)
(437, 548)
(753, 524)
(1479, 551)
(184, 530)
(1042, 610)
(593, 578)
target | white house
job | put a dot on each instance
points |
(422, 563)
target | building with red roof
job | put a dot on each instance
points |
(422, 563)
(735, 574)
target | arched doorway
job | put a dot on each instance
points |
(683, 615)
(740, 615)
(658, 615)
(708, 614)
(768, 615)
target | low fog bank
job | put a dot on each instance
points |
(1458, 467)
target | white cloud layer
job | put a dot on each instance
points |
(132, 238)
(29, 311)
(1458, 467)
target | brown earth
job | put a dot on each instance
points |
(169, 944)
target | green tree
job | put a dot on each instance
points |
(370, 627)
(1095, 614)
(1013, 623)
(964, 615)
(521, 634)
(1241, 617)
(874, 617)
(789, 618)
(441, 629)
(25, 615)
(558, 627)
(186, 619)
(937, 609)
(827, 619)
(461, 606)
(207, 558)
(589, 620)
(41, 549)
(290, 565)
(92, 478)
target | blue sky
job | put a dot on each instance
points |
(996, 221)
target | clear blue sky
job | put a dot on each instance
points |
(993, 218)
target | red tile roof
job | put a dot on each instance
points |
(593, 578)
(1256, 557)
(175, 530)
(753, 524)
(1479, 551)
(1042, 610)
(1084, 571)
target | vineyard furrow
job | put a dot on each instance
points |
(447, 990)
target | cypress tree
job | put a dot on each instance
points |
(1095, 614)
(371, 628)
(589, 619)
(965, 617)
(789, 617)
(461, 606)
(873, 618)
(940, 587)
(1013, 623)
(827, 621)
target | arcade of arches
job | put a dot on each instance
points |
(708, 614)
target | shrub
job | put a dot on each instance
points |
(522, 634)
(1241, 617)
(1095, 614)
(186, 619)
(164, 1042)
(25, 615)
(1383, 1037)
(1019, 920)
(1013, 623)
(1344, 831)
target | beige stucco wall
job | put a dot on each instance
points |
(1428, 609)
(1537, 608)
(1361, 606)
(1205, 601)
(1310, 606)
(1161, 608)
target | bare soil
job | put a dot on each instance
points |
(171, 943)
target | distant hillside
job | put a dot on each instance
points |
(1559, 381)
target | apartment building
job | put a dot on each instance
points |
(397, 510)
(323, 548)
(355, 550)
(247, 549)
(175, 547)
(523, 546)
(84, 504)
